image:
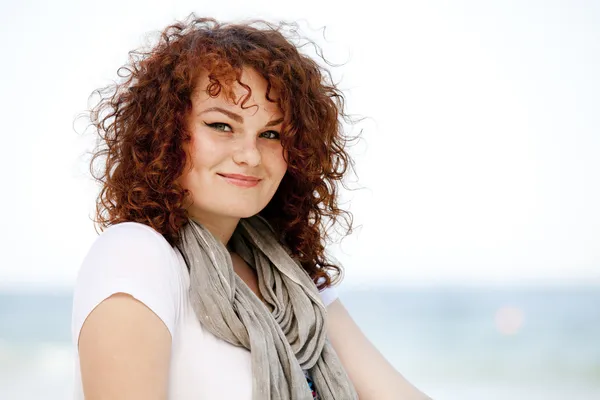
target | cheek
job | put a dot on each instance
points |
(276, 161)
(206, 153)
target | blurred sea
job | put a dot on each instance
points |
(453, 343)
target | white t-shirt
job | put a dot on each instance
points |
(135, 259)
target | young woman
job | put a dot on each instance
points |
(220, 152)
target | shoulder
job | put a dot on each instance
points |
(132, 251)
(129, 258)
(130, 242)
(131, 233)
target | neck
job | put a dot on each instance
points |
(221, 227)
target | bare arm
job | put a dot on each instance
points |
(372, 375)
(124, 351)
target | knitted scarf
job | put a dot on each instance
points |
(287, 334)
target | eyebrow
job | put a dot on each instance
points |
(237, 117)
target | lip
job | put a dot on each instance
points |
(241, 180)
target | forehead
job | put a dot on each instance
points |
(250, 81)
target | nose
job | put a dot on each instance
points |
(247, 152)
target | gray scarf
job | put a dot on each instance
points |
(283, 341)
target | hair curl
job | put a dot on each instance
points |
(141, 125)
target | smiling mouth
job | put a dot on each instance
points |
(240, 180)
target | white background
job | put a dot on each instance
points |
(479, 160)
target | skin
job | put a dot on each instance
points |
(125, 349)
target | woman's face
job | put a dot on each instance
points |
(235, 157)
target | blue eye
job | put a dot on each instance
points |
(219, 126)
(270, 135)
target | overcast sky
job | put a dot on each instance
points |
(479, 160)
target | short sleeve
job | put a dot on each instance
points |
(328, 295)
(129, 258)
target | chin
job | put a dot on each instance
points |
(241, 212)
(247, 214)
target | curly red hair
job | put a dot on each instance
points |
(141, 122)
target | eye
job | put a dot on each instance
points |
(219, 126)
(270, 135)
